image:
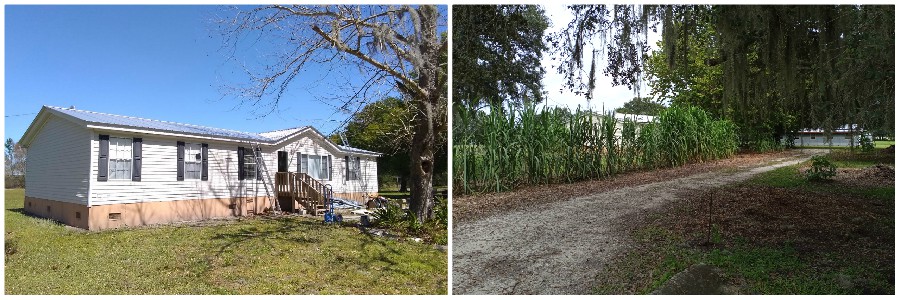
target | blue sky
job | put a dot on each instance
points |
(157, 62)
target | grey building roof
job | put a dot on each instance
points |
(270, 137)
(111, 119)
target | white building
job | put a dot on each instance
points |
(94, 170)
(844, 136)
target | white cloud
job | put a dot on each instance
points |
(606, 96)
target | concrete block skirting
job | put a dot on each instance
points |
(143, 213)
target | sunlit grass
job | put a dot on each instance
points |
(291, 255)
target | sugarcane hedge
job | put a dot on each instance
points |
(504, 147)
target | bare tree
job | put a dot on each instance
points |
(397, 48)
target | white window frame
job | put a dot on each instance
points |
(250, 160)
(193, 156)
(355, 167)
(120, 158)
(323, 167)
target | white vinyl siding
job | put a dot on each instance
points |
(57, 165)
(311, 145)
(159, 172)
(193, 160)
(120, 155)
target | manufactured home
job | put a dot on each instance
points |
(844, 136)
(95, 170)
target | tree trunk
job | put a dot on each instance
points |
(422, 150)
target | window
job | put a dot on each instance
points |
(249, 164)
(120, 156)
(354, 168)
(812, 137)
(315, 166)
(193, 161)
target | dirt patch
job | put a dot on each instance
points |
(829, 231)
(877, 175)
(474, 207)
(559, 240)
(769, 216)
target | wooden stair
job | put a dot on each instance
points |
(301, 190)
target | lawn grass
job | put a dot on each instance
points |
(395, 193)
(883, 144)
(878, 145)
(289, 255)
(764, 270)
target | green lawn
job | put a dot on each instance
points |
(396, 194)
(878, 145)
(883, 144)
(290, 255)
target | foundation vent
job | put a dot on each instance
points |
(48, 208)
(78, 215)
(115, 216)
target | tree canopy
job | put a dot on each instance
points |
(386, 126)
(779, 67)
(14, 154)
(641, 106)
(497, 52)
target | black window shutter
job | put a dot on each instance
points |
(282, 161)
(240, 155)
(257, 155)
(204, 173)
(103, 159)
(346, 167)
(180, 161)
(329, 167)
(136, 149)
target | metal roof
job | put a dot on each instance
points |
(351, 149)
(110, 119)
(269, 137)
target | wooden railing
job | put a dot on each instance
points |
(302, 189)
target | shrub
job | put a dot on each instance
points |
(866, 144)
(15, 181)
(440, 211)
(391, 216)
(821, 169)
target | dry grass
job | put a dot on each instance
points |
(479, 206)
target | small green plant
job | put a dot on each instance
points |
(866, 144)
(716, 235)
(821, 169)
(412, 223)
(391, 216)
(441, 215)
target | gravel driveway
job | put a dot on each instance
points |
(559, 248)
